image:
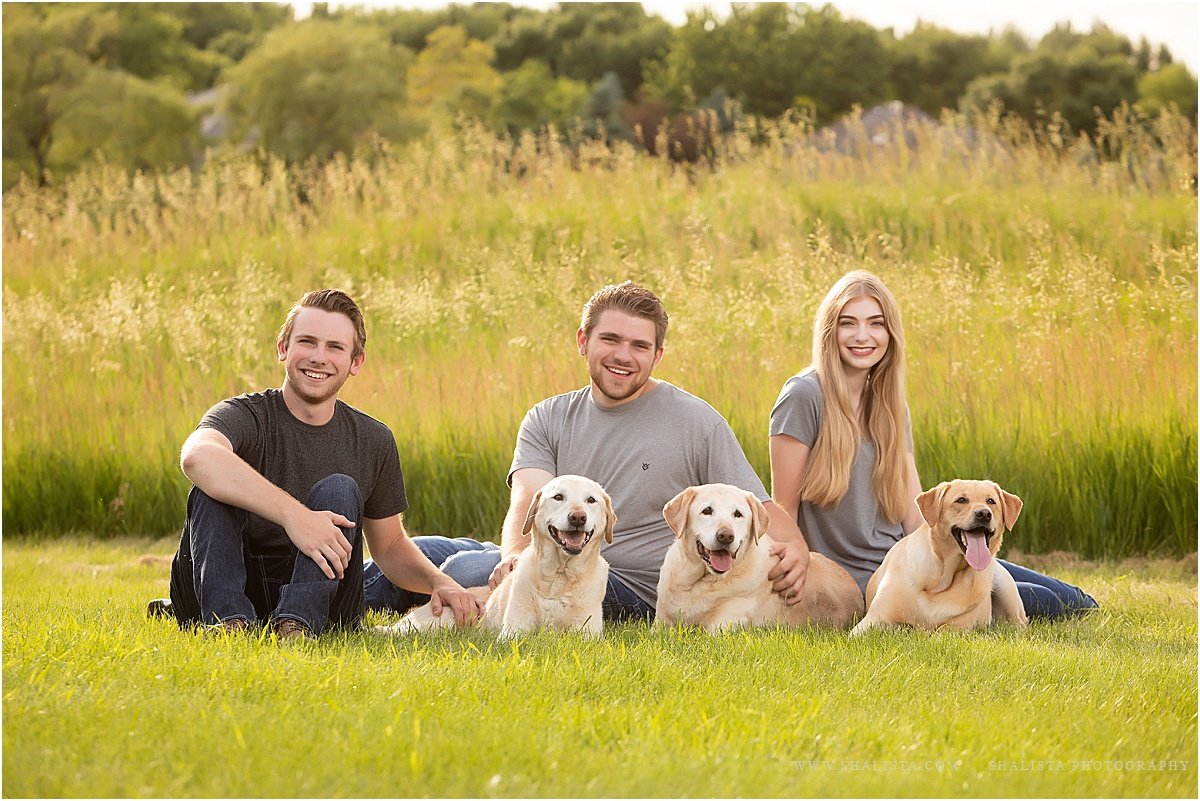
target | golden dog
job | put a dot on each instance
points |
(559, 580)
(715, 573)
(944, 575)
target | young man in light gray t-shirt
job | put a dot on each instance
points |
(642, 439)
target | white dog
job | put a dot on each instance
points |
(715, 573)
(559, 580)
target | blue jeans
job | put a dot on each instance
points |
(1048, 598)
(218, 574)
(471, 563)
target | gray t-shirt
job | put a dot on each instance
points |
(643, 453)
(294, 456)
(853, 533)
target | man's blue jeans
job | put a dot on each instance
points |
(1045, 597)
(218, 574)
(471, 563)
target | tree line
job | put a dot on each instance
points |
(151, 86)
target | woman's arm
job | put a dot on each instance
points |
(789, 457)
(912, 518)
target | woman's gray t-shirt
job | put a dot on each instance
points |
(853, 533)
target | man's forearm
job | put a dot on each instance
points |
(407, 567)
(226, 477)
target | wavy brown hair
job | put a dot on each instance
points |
(330, 300)
(630, 298)
(827, 473)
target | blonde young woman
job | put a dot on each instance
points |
(841, 444)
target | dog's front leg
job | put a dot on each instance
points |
(872, 620)
(662, 615)
(1006, 601)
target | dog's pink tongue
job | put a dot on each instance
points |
(720, 560)
(978, 555)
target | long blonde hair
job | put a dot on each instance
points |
(827, 474)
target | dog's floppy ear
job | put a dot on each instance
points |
(533, 509)
(930, 503)
(610, 519)
(676, 510)
(1011, 505)
(760, 518)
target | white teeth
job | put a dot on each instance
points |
(313, 375)
(620, 372)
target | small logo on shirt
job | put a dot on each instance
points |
(645, 465)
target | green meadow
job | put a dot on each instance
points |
(99, 702)
(1048, 290)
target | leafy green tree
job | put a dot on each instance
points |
(228, 29)
(594, 39)
(531, 97)
(772, 56)
(149, 43)
(483, 21)
(1077, 75)
(317, 87)
(452, 76)
(69, 98)
(932, 66)
(1170, 85)
(130, 122)
(43, 63)
(585, 41)
(202, 23)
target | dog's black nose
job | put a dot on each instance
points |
(577, 519)
(725, 536)
(983, 515)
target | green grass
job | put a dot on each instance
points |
(100, 702)
(1049, 301)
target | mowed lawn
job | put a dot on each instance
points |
(99, 701)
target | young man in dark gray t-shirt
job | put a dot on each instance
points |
(643, 439)
(287, 484)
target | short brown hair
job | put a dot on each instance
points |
(630, 298)
(330, 300)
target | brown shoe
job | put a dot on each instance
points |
(234, 625)
(290, 629)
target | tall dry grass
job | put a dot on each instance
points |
(1048, 287)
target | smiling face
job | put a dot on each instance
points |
(571, 510)
(318, 358)
(620, 355)
(718, 522)
(862, 334)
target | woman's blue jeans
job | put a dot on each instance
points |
(218, 574)
(1048, 598)
(471, 563)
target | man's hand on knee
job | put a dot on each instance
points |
(319, 536)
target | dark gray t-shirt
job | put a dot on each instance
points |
(294, 455)
(853, 533)
(643, 453)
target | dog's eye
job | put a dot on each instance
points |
(992, 501)
(737, 512)
(961, 499)
(707, 510)
(591, 499)
(558, 497)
